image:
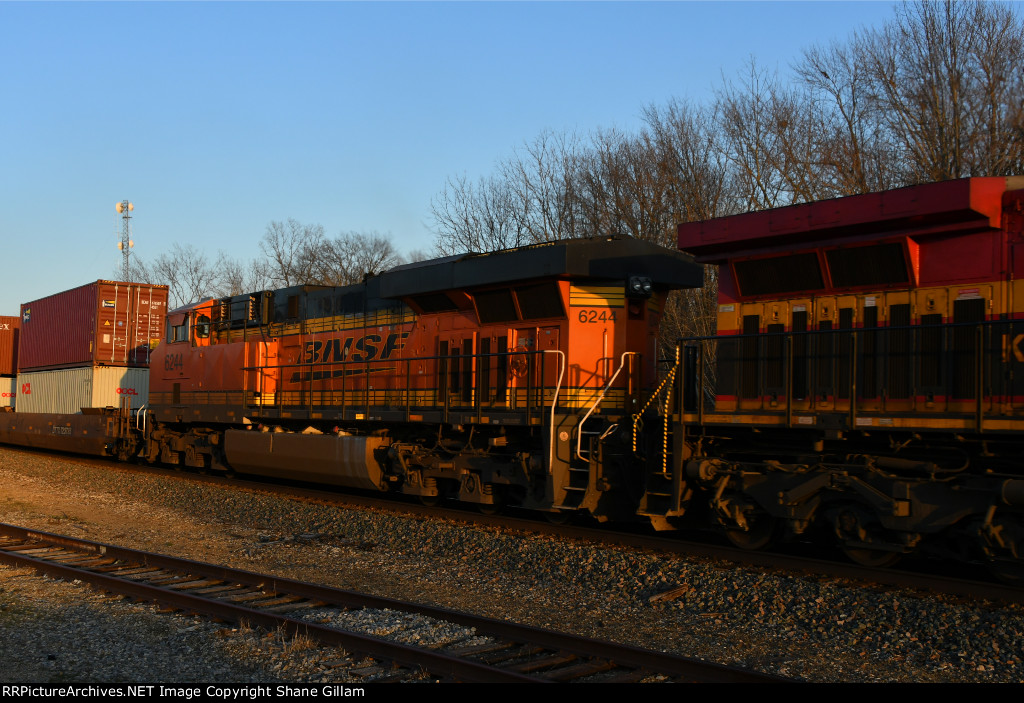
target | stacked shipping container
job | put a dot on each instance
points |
(70, 390)
(89, 347)
(8, 391)
(8, 359)
(99, 324)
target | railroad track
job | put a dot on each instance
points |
(497, 652)
(923, 576)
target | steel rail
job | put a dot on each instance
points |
(928, 576)
(581, 654)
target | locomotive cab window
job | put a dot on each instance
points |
(178, 333)
(238, 311)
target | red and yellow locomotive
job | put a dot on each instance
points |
(865, 371)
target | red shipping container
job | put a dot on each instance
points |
(9, 345)
(106, 323)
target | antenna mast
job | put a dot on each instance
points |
(125, 208)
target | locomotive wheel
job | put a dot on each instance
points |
(874, 558)
(498, 498)
(762, 529)
(1010, 573)
(430, 501)
(557, 517)
(856, 524)
(1003, 543)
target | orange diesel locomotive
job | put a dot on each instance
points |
(490, 378)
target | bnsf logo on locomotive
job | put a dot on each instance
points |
(338, 349)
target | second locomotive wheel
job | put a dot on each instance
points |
(877, 558)
(762, 530)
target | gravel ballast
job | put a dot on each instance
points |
(796, 626)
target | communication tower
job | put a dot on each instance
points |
(125, 245)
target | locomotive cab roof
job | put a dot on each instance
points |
(598, 258)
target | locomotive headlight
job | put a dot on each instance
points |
(638, 287)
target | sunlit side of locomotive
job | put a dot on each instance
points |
(491, 378)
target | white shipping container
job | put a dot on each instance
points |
(8, 391)
(70, 390)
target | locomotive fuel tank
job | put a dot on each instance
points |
(330, 459)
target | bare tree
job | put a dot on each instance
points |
(625, 188)
(476, 217)
(235, 277)
(998, 124)
(300, 254)
(937, 93)
(188, 273)
(296, 254)
(542, 177)
(533, 197)
(946, 79)
(291, 249)
(692, 158)
(352, 256)
(138, 272)
(603, 193)
(748, 115)
(414, 255)
(693, 161)
(855, 153)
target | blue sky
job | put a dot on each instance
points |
(216, 118)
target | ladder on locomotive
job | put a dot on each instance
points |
(662, 456)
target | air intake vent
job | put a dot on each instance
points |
(874, 265)
(780, 274)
